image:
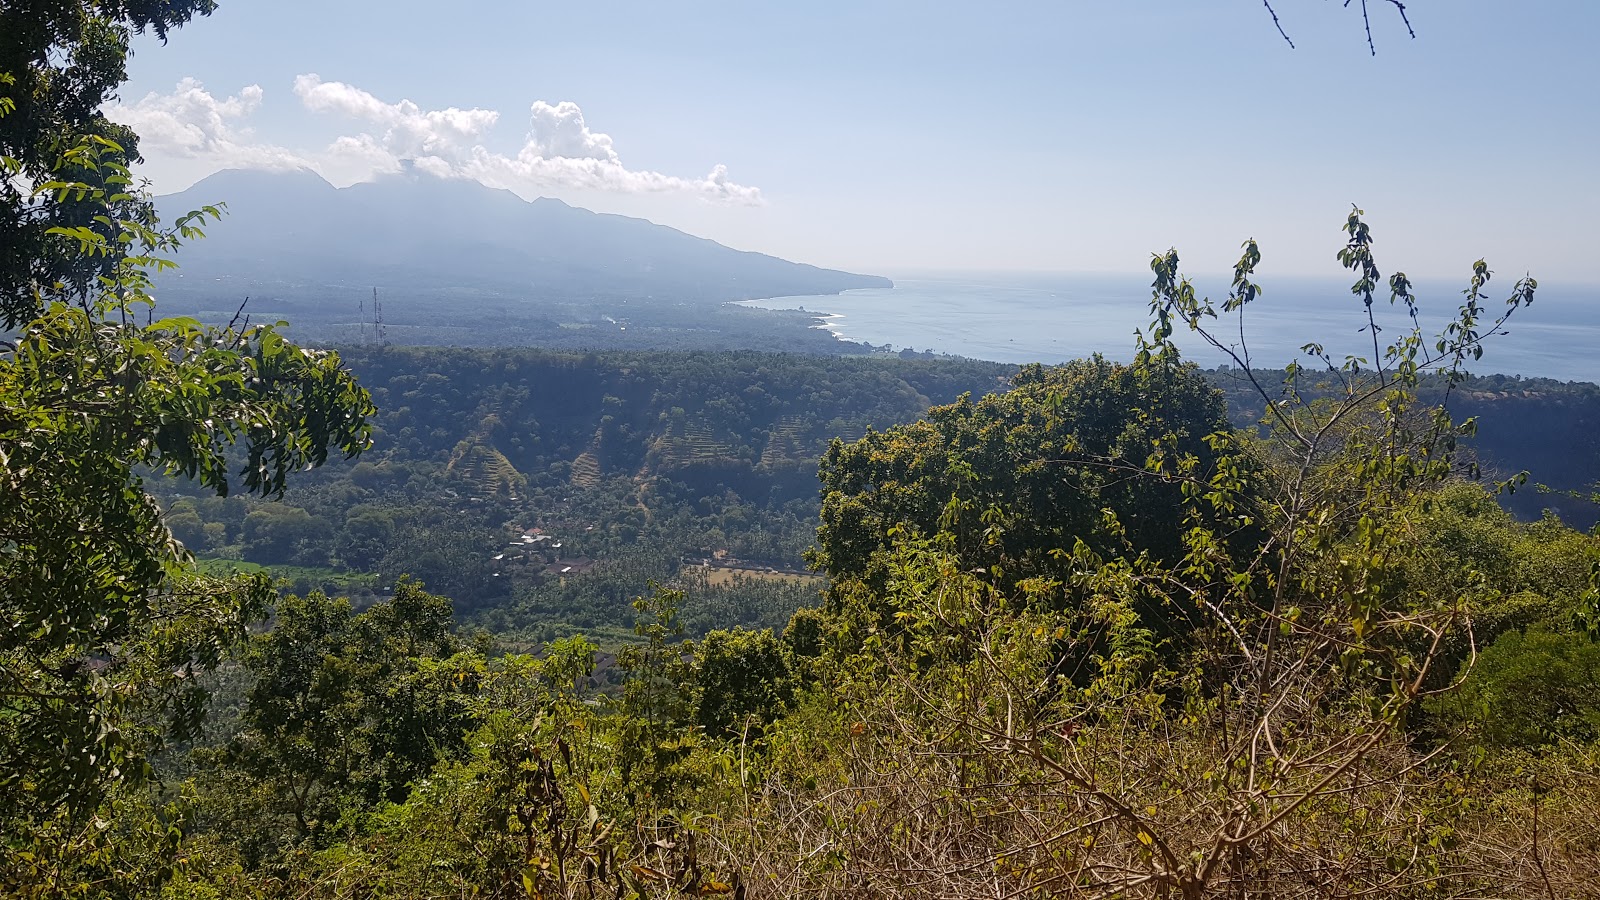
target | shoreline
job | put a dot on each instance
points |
(833, 324)
(821, 319)
(1054, 323)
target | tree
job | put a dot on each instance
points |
(184, 521)
(1366, 20)
(1531, 689)
(367, 536)
(1275, 755)
(346, 710)
(1092, 452)
(657, 703)
(285, 534)
(107, 623)
(60, 61)
(743, 682)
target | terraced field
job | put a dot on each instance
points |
(784, 442)
(689, 442)
(487, 469)
(586, 469)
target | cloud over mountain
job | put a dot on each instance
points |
(191, 123)
(559, 149)
(409, 131)
(559, 131)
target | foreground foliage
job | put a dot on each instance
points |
(1081, 639)
(60, 61)
(106, 623)
(1304, 660)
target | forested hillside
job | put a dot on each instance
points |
(1549, 429)
(492, 471)
(619, 467)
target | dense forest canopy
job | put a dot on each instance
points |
(639, 467)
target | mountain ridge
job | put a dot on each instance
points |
(293, 232)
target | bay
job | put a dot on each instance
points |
(1050, 318)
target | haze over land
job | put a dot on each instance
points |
(456, 262)
(415, 231)
(900, 139)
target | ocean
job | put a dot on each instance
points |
(1021, 318)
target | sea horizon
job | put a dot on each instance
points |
(1054, 317)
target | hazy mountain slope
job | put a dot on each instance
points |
(293, 233)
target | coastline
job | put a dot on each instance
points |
(822, 320)
(836, 323)
(1072, 317)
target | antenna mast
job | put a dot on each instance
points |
(381, 334)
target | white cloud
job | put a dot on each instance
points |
(717, 185)
(559, 132)
(191, 123)
(356, 158)
(409, 131)
(559, 151)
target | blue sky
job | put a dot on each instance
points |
(897, 137)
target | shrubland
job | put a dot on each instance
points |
(1083, 637)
